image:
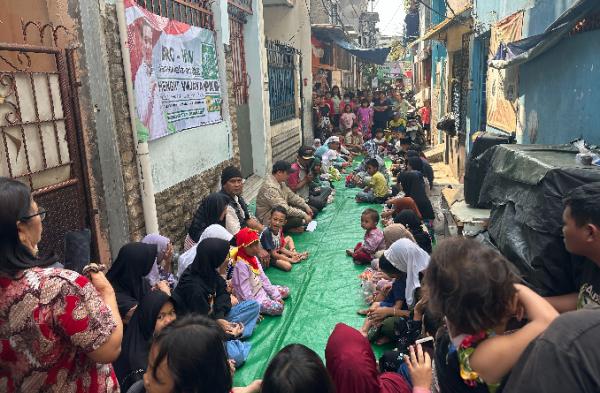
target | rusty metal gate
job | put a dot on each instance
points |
(40, 144)
(238, 11)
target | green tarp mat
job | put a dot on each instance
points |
(325, 289)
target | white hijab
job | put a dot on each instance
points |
(406, 256)
(214, 231)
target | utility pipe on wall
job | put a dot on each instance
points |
(141, 148)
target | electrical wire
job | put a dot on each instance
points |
(392, 18)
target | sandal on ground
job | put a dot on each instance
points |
(364, 311)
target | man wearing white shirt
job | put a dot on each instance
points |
(148, 101)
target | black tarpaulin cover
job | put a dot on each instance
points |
(525, 186)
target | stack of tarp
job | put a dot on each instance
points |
(525, 186)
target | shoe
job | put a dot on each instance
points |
(349, 252)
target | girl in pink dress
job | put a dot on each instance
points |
(249, 281)
(365, 119)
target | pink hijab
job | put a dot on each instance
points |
(351, 363)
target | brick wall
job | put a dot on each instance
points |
(131, 180)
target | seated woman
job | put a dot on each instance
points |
(128, 276)
(214, 231)
(351, 364)
(403, 262)
(154, 313)
(188, 356)
(413, 185)
(163, 265)
(396, 205)
(202, 290)
(416, 227)
(212, 210)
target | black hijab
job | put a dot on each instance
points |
(413, 186)
(138, 338)
(409, 219)
(201, 279)
(208, 213)
(127, 274)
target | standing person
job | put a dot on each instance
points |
(202, 290)
(275, 192)
(348, 119)
(249, 281)
(300, 179)
(347, 101)
(336, 98)
(212, 210)
(238, 216)
(59, 331)
(581, 229)
(381, 107)
(149, 106)
(425, 113)
(403, 106)
(365, 118)
(154, 313)
(325, 116)
(128, 276)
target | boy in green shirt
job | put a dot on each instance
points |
(377, 189)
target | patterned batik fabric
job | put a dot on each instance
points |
(50, 319)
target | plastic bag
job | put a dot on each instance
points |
(585, 156)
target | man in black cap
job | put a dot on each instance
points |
(300, 179)
(275, 192)
(238, 216)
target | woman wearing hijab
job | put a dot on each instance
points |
(154, 312)
(402, 261)
(410, 220)
(128, 276)
(413, 186)
(351, 364)
(212, 210)
(162, 268)
(399, 204)
(214, 231)
(202, 290)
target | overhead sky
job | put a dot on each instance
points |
(391, 16)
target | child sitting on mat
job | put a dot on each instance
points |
(280, 247)
(377, 189)
(364, 252)
(249, 281)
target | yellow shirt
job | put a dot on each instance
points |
(379, 185)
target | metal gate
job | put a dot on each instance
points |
(39, 141)
(238, 11)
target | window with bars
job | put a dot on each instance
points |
(193, 12)
(281, 67)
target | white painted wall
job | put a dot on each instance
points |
(291, 25)
(256, 67)
(180, 156)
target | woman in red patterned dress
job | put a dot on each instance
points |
(59, 331)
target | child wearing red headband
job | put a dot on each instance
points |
(249, 281)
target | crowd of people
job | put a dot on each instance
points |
(460, 318)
